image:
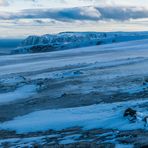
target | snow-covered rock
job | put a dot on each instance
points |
(68, 40)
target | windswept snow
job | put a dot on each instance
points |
(23, 92)
(108, 116)
(85, 89)
(29, 63)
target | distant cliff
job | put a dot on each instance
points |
(68, 40)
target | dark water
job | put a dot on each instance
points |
(7, 45)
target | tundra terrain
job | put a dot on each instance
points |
(75, 97)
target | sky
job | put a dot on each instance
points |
(20, 18)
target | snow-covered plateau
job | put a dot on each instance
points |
(75, 97)
(68, 40)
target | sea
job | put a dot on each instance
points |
(7, 45)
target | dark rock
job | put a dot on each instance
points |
(130, 112)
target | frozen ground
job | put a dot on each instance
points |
(75, 97)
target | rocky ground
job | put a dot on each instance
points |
(76, 137)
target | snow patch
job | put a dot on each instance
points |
(23, 92)
(107, 116)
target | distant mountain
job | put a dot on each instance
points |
(68, 40)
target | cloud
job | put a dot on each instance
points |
(68, 14)
(74, 3)
(123, 13)
(26, 17)
(4, 3)
(80, 13)
(85, 13)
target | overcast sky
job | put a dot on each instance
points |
(20, 18)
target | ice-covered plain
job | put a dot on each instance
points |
(75, 96)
